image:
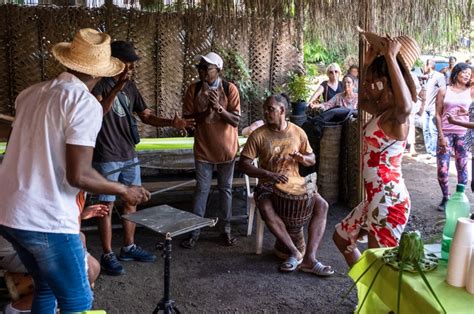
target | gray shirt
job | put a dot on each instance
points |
(432, 86)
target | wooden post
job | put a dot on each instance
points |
(367, 21)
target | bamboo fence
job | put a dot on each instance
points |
(166, 42)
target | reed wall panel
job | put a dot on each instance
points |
(167, 43)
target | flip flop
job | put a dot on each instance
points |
(189, 243)
(319, 269)
(290, 264)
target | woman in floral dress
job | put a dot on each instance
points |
(388, 93)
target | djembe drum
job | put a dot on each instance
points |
(293, 202)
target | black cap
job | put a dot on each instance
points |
(124, 51)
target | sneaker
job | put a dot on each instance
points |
(110, 265)
(442, 206)
(136, 253)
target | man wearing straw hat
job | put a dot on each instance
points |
(48, 163)
(115, 152)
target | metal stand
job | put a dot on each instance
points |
(170, 222)
(166, 304)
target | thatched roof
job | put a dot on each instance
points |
(434, 23)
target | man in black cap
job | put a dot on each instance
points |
(115, 150)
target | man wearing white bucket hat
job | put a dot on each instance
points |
(215, 105)
(48, 163)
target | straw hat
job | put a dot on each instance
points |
(89, 53)
(409, 53)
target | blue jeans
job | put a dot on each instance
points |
(56, 261)
(225, 175)
(430, 132)
(127, 176)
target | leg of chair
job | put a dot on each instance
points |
(250, 215)
(259, 235)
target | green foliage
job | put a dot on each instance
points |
(298, 88)
(316, 53)
(237, 72)
(418, 63)
(411, 248)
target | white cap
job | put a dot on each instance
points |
(211, 58)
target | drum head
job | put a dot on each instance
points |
(294, 186)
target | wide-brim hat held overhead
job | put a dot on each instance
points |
(89, 53)
(409, 53)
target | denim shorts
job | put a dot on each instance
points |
(127, 176)
(56, 262)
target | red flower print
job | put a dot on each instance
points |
(387, 175)
(371, 191)
(372, 141)
(379, 134)
(395, 161)
(396, 214)
(385, 237)
(374, 159)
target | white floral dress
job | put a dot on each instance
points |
(384, 213)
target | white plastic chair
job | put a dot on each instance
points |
(250, 200)
(251, 213)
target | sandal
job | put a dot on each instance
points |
(189, 243)
(290, 264)
(319, 269)
(228, 239)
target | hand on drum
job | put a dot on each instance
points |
(297, 156)
(278, 177)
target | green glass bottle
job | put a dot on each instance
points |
(456, 207)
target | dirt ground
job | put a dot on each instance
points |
(213, 278)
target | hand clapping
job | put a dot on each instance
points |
(297, 156)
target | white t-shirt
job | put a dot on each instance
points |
(35, 194)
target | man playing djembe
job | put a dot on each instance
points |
(282, 196)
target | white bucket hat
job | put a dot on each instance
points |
(211, 58)
(89, 53)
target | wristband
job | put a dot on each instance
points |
(219, 109)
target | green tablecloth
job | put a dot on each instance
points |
(415, 298)
(159, 144)
(171, 143)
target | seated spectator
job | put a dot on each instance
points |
(347, 99)
(354, 71)
(328, 89)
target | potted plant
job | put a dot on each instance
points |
(298, 91)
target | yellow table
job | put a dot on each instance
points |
(415, 297)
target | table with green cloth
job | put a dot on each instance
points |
(164, 153)
(169, 153)
(415, 297)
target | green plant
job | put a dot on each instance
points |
(298, 88)
(408, 256)
(237, 72)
